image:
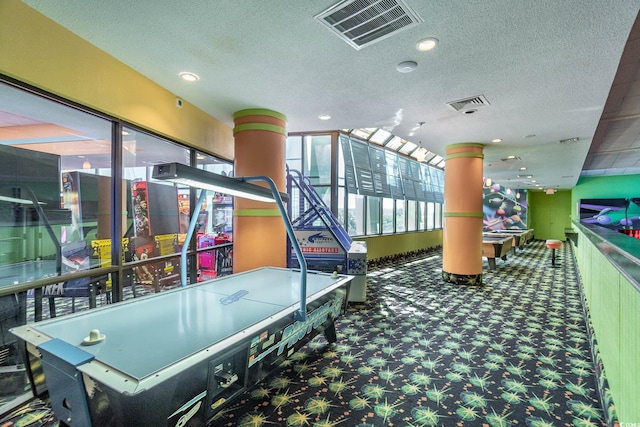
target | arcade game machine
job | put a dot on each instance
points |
(325, 243)
(217, 261)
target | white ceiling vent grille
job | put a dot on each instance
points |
(467, 103)
(363, 22)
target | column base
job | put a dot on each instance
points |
(462, 279)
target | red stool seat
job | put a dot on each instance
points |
(553, 245)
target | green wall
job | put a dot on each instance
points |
(614, 308)
(614, 303)
(604, 187)
(392, 244)
(549, 214)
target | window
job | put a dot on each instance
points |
(55, 186)
(438, 215)
(55, 210)
(422, 216)
(294, 152)
(412, 215)
(355, 218)
(431, 212)
(374, 223)
(317, 161)
(400, 216)
(388, 218)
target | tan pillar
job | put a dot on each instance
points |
(462, 229)
(259, 235)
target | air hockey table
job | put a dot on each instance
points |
(178, 357)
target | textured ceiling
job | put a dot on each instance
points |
(546, 68)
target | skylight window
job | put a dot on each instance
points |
(408, 147)
(380, 136)
(394, 143)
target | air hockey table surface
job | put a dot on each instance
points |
(150, 339)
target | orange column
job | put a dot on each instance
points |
(462, 229)
(259, 235)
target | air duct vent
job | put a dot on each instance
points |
(364, 22)
(467, 103)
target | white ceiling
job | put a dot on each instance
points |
(546, 68)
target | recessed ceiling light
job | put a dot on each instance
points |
(427, 44)
(407, 66)
(523, 168)
(189, 77)
(496, 140)
(508, 158)
(324, 116)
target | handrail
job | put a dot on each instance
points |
(318, 206)
(621, 250)
(47, 226)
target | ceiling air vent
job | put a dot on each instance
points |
(364, 22)
(468, 103)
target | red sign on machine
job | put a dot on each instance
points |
(316, 250)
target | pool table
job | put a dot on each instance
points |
(495, 247)
(521, 237)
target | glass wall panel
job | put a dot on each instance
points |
(356, 215)
(154, 224)
(412, 219)
(55, 204)
(294, 152)
(317, 162)
(438, 216)
(422, 215)
(431, 215)
(373, 220)
(387, 215)
(400, 216)
(215, 223)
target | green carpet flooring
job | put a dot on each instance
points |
(420, 352)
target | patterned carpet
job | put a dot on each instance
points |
(513, 352)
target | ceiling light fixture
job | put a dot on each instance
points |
(569, 140)
(189, 77)
(240, 187)
(427, 44)
(324, 117)
(512, 157)
(407, 66)
(496, 140)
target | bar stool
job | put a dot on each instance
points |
(553, 245)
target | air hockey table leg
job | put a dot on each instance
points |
(330, 331)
